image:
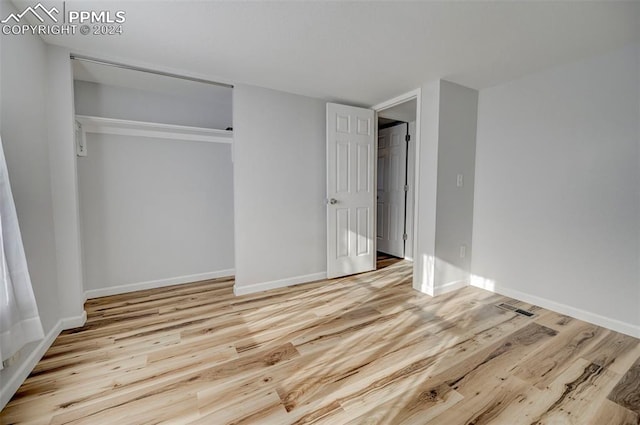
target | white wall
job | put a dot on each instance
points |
(280, 185)
(24, 137)
(23, 126)
(64, 187)
(154, 210)
(557, 189)
(445, 212)
(454, 211)
(426, 189)
(141, 105)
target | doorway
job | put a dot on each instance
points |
(395, 186)
(352, 183)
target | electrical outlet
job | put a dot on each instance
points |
(460, 180)
(463, 251)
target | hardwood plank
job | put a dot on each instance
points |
(627, 392)
(255, 408)
(614, 414)
(576, 403)
(530, 403)
(420, 405)
(615, 351)
(484, 403)
(543, 366)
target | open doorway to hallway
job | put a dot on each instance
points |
(395, 179)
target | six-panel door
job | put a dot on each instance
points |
(350, 190)
(391, 181)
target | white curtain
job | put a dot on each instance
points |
(19, 318)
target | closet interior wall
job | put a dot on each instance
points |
(154, 210)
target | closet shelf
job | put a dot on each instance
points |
(91, 124)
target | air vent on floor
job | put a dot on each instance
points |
(524, 312)
(509, 307)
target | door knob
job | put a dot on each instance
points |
(333, 201)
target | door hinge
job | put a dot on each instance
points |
(406, 187)
(407, 138)
(404, 237)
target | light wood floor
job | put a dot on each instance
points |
(364, 349)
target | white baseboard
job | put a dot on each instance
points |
(451, 286)
(587, 316)
(74, 322)
(10, 387)
(274, 284)
(152, 284)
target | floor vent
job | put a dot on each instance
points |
(524, 312)
(509, 307)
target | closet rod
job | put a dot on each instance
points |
(147, 70)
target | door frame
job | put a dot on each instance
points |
(405, 97)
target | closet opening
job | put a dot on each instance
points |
(154, 176)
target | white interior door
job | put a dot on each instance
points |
(391, 187)
(350, 190)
